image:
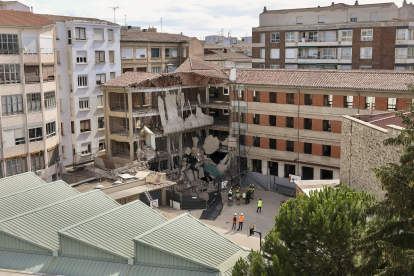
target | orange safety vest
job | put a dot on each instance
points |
(235, 219)
(241, 219)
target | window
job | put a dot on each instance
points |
(141, 53)
(9, 44)
(290, 98)
(175, 52)
(257, 165)
(326, 124)
(112, 75)
(274, 53)
(155, 69)
(392, 104)
(35, 134)
(31, 74)
(98, 34)
(274, 66)
(185, 52)
(307, 123)
(354, 17)
(167, 52)
(69, 36)
(307, 148)
(321, 19)
(127, 53)
(82, 81)
(58, 57)
(46, 44)
(403, 53)
(102, 145)
(326, 150)
(374, 16)
(9, 73)
(273, 168)
(111, 57)
(289, 169)
(33, 102)
(366, 52)
(81, 57)
(83, 103)
(14, 137)
(308, 99)
(366, 34)
(48, 73)
(290, 146)
(226, 91)
(290, 37)
(289, 122)
(111, 35)
(272, 144)
(99, 101)
(50, 129)
(50, 100)
(327, 100)
(256, 142)
(53, 157)
(272, 120)
(155, 52)
(85, 125)
(262, 53)
(262, 37)
(370, 102)
(37, 161)
(365, 67)
(275, 37)
(290, 53)
(256, 119)
(349, 101)
(29, 44)
(256, 96)
(403, 34)
(100, 79)
(328, 53)
(262, 65)
(80, 34)
(326, 174)
(99, 56)
(72, 126)
(16, 166)
(272, 97)
(12, 104)
(101, 123)
(299, 20)
(347, 35)
(346, 53)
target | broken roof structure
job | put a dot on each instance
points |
(91, 234)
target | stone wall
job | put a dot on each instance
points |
(361, 150)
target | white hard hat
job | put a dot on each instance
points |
(235, 214)
(242, 214)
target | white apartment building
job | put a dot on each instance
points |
(30, 133)
(88, 51)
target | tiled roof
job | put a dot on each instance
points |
(381, 80)
(152, 36)
(332, 7)
(391, 120)
(130, 78)
(22, 19)
(54, 17)
(194, 64)
(220, 55)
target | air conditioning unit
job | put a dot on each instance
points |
(38, 172)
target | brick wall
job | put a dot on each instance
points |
(249, 118)
(301, 147)
(317, 125)
(336, 126)
(301, 122)
(280, 46)
(281, 121)
(264, 96)
(335, 151)
(381, 103)
(264, 119)
(338, 101)
(250, 96)
(281, 145)
(248, 140)
(402, 103)
(317, 100)
(281, 97)
(302, 98)
(317, 149)
(264, 142)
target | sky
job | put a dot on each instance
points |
(194, 18)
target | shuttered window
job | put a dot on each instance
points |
(99, 56)
(127, 53)
(48, 73)
(98, 34)
(85, 125)
(46, 44)
(31, 74)
(111, 56)
(110, 35)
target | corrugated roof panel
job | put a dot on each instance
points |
(19, 182)
(114, 230)
(36, 263)
(190, 239)
(41, 226)
(138, 270)
(81, 267)
(35, 197)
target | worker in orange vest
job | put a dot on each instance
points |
(241, 220)
(234, 222)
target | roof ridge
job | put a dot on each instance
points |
(36, 187)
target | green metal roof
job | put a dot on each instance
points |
(36, 263)
(188, 238)
(19, 182)
(23, 201)
(40, 226)
(114, 230)
(138, 270)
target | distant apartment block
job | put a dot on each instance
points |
(30, 122)
(340, 36)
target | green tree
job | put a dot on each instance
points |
(388, 246)
(312, 236)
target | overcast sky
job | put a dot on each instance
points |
(197, 18)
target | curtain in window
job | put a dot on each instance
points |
(47, 72)
(31, 73)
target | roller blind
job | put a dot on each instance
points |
(9, 138)
(98, 34)
(46, 44)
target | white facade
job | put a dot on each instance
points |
(13, 5)
(80, 89)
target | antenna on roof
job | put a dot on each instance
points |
(114, 8)
(161, 24)
(125, 19)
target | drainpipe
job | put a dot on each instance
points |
(297, 159)
(126, 115)
(358, 99)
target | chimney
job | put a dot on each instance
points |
(264, 9)
(333, 3)
(404, 2)
(31, 8)
(233, 74)
(356, 3)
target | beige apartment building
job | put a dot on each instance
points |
(30, 117)
(339, 36)
(150, 51)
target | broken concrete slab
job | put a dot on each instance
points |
(200, 172)
(142, 174)
(190, 175)
(187, 151)
(195, 142)
(198, 120)
(174, 122)
(211, 144)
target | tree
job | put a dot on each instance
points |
(388, 245)
(312, 235)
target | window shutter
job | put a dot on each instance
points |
(9, 138)
(87, 124)
(98, 34)
(102, 56)
(19, 133)
(111, 56)
(82, 125)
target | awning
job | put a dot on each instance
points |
(308, 47)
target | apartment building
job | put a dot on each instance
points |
(150, 51)
(339, 36)
(88, 55)
(30, 121)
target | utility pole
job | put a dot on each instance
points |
(161, 24)
(114, 8)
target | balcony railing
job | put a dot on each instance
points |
(304, 39)
(316, 57)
